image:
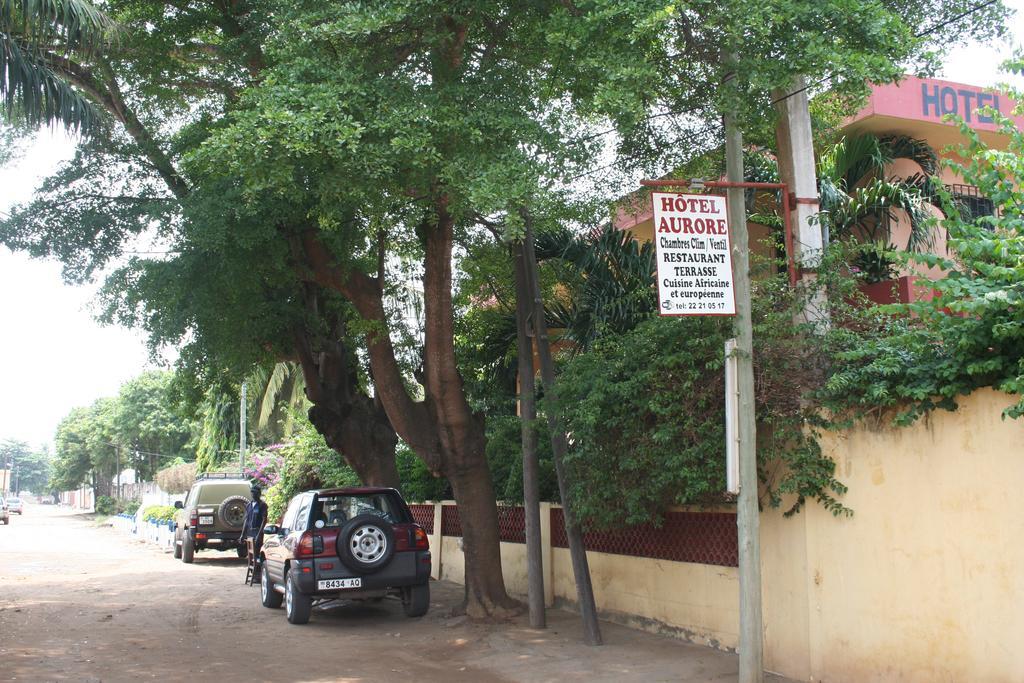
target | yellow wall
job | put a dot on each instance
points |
(924, 583)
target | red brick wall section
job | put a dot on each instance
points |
(424, 516)
(699, 537)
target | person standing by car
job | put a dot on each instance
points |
(255, 519)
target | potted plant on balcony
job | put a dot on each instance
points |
(860, 203)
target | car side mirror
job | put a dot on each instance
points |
(178, 504)
(272, 529)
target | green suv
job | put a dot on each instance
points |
(211, 516)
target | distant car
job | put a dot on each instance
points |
(211, 516)
(5, 516)
(14, 505)
(349, 544)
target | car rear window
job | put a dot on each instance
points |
(213, 494)
(335, 510)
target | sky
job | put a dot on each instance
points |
(54, 356)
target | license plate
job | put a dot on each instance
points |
(206, 520)
(332, 584)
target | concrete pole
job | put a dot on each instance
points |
(795, 139)
(747, 519)
(531, 466)
(241, 433)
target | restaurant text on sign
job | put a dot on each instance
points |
(694, 255)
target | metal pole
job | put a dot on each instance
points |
(531, 467)
(559, 447)
(747, 520)
(241, 433)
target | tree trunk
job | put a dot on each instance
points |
(460, 432)
(442, 429)
(361, 434)
(352, 423)
(481, 543)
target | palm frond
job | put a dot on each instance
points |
(78, 25)
(271, 391)
(33, 93)
(854, 159)
(918, 151)
(32, 31)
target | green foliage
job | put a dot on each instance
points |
(505, 457)
(417, 482)
(645, 410)
(149, 424)
(918, 357)
(106, 505)
(85, 446)
(31, 468)
(218, 431)
(308, 464)
(159, 513)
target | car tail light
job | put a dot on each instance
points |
(411, 537)
(304, 548)
(193, 519)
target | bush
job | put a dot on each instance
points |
(106, 505)
(159, 513)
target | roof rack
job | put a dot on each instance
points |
(220, 475)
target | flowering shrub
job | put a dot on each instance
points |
(264, 468)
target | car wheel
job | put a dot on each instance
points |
(177, 548)
(268, 596)
(416, 600)
(188, 550)
(297, 605)
(365, 543)
(232, 511)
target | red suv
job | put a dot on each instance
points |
(348, 544)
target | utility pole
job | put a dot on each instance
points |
(241, 433)
(795, 140)
(527, 419)
(559, 447)
(747, 519)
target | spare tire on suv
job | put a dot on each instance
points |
(366, 543)
(232, 511)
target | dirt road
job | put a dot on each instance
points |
(81, 602)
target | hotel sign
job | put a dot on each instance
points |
(694, 255)
(931, 99)
(939, 99)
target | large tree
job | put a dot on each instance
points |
(304, 149)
